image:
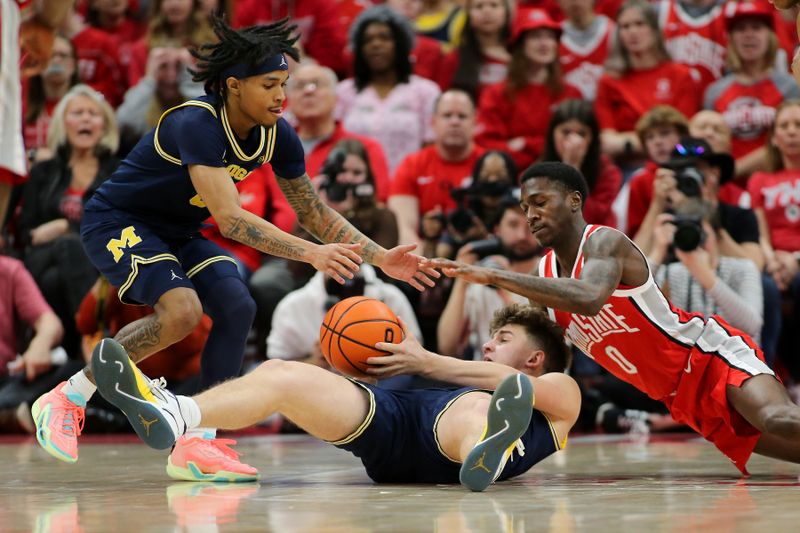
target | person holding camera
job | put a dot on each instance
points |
(464, 324)
(701, 279)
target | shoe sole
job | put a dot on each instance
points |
(36, 413)
(116, 381)
(510, 411)
(193, 473)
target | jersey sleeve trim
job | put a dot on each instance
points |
(159, 150)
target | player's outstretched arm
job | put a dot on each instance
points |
(604, 257)
(222, 199)
(555, 393)
(327, 225)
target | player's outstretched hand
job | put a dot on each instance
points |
(401, 264)
(339, 261)
(467, 272)
(406, 357)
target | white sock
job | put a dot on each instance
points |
(80, 384)
(191, 415)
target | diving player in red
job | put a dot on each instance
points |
(598, 286)
(141, 230)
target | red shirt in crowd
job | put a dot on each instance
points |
(622, 101)
(582, 64)
(778, 194)
(429, 178)
(20, 299)
(35, 133)
(526, 114)
(98, 63)
(641, 194)
(697, 42)
(597, 208)
(318, 23)
(377, 159)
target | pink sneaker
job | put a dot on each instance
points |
(198, 459)
(59, 421)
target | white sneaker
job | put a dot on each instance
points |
(153, 411)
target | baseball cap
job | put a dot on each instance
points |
(760, 9)
(533, 18)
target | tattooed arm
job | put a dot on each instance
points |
(324, 222)
(216, 189)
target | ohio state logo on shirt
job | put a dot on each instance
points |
(785, 194)
(748, 117)
(695, 50)
(585, 78)
(663, 89)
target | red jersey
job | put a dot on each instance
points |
(679, 358)
(582, 62)
(526, 114)
(778, 194)
(749, 108)
(700, 43)
(622, 101)
(98, 63)
(428, 177)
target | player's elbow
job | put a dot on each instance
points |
(592, 302)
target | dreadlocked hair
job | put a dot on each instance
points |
(250, 45)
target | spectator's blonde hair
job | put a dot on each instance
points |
(160, 33)
(619, 62)
(57, 133)
(662, 115)
(774, 156)
(734, 60)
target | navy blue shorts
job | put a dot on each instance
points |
(144, 263)
(397, 440)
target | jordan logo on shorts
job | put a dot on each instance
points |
(174, 275)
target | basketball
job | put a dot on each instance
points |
(350, 330)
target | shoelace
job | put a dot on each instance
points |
(72, 421)
(219, 446)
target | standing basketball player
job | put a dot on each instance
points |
(140, 230)
(401, 436)
(598, 286)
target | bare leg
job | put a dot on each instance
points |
(324, 404)
(463, 424)
(763, 402)
(177, 313)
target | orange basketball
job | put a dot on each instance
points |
(350, 330)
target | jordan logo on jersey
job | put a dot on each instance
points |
(174, 275)
(585, 331)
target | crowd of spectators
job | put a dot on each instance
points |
(417, 117)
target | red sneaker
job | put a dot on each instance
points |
(198, 459)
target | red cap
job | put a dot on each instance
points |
(736, 11)
(533, 18)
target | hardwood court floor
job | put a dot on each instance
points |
(599, 483)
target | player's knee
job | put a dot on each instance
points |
(780, 420)
(182, 314)
(279, 372)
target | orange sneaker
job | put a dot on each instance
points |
(59, 421)
(199, 459)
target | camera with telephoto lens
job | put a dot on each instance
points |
(335, 191)
(689, 233)
(463, 217)
(690, 181)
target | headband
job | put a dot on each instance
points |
(242, 70)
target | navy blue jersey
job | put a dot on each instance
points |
(397, 442)
(153, 182)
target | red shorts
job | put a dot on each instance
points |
(722, 356)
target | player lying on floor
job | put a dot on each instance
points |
(410, 436)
